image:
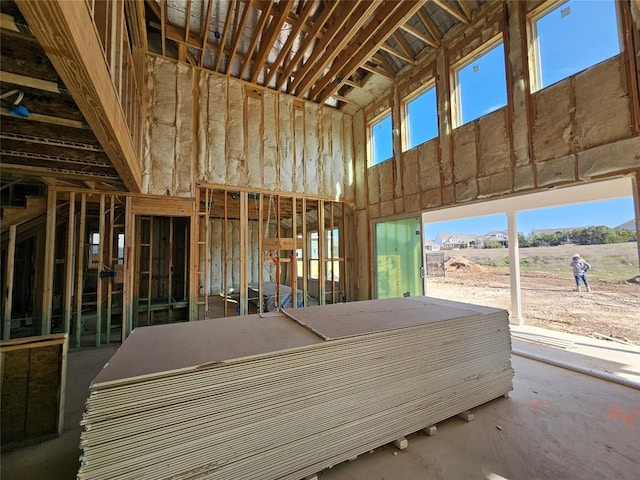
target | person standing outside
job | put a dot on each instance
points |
(580, 268)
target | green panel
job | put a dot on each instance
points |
(398, 258)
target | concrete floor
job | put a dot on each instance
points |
(557, 424)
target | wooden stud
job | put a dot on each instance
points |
(49, 263)
(8, 283)
(244, 246)
(110, 264)
(81, 241)
(260, 253)
(321, 254)
(63, 384)
(305, 255)
(69, 263)
(225, 260)
(127, 287)
(100, 287)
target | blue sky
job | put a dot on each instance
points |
(609, 213)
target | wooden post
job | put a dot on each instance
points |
(63, 381)
(305, 252)
(112, 219)
(294, 263)
(260, 254)
(80, 267)
(225, 260)
(8, 283)
(207, 254)
(69, 263)
(170, 271)
(100, 289)
(192, 259)
(49, 264)
(635, 186)
(244, 245)
(127, 287)
(321, 253)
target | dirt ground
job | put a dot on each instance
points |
(549, 300)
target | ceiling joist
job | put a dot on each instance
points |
(451, 10)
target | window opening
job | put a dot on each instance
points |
(421, 118)
(480, 85)
(381, 140)
(571, 37)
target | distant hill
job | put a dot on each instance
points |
(630, 225)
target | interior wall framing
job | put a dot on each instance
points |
(581, 129)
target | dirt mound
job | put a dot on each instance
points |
(461, 264)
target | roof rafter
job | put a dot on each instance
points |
(311, 36)
(238, 33)
(430, 27)
(400, 40)
(448, 7)
(389, 18)
(295, 30)
(258, 34)
(233, 7)
(350, 19)
(419, 35)
(204, 32)
(275, 27)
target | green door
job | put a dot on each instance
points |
(398, 258)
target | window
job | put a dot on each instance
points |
(480, 85)
(570, 37)
(421, 118)
(381, 140)
(314, 255)
(333, 254)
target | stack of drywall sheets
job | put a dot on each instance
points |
(282, 397)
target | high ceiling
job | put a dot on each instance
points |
(320, 50)
(340, 53)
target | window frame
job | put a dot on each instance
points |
(371, 146)
(456, 101)
(534, 57)
(404, 108)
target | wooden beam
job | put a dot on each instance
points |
(266, 43)
(258, 33)
(19, 137)
(237, 34)
(388, 19)
(204, 33)
(100, 287)
(233, 6)
(37, 117)
(328, 9)
(8, 283)
(419, 35)
(376, 69)
(348, 21)
(55, 158)
(64, 173)
(66, 32)
(30, 82)
(293, 34)
(447, 7)
(49, 264)
(187, 20)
